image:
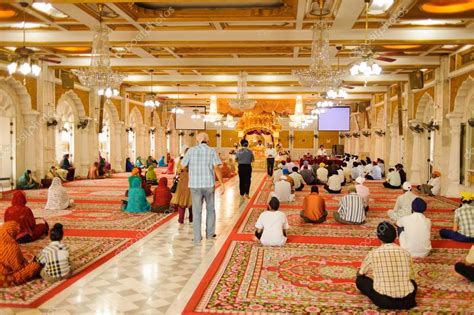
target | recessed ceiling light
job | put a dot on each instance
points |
(49, 9)
(26, 25)
(423, 70)
(380, 6)
(449, 46)
(429, 22)
(401, 46)
(72, 48)
(6, 13)
(448, 7)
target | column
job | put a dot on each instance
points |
(416, 162)
(393, 144)
(140, 140)
(117, 155)
(30, 147)
(450, 187)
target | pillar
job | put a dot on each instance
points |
(452, 183)
(393, 144)
(416, 162)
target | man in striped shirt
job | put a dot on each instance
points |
(351, 208)
(393, 285)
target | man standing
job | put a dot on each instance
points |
(271, 153)
(245, 158)
(203, 165)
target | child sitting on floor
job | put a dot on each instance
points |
(272, 225)
(55, 257)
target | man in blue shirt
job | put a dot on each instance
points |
(245, 158)
(203, 165)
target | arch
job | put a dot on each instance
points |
(112, 110)
(18, 93)
(425, 108)
(465, 93)
(75, 103)
(135, 117)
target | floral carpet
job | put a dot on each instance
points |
(315, 271)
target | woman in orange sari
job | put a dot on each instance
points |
(14, 268)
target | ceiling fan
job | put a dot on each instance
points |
(23, 58)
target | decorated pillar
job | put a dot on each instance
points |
(31, 149)
(416, 162)
(452, 187)
(116, 145)
(393, 144)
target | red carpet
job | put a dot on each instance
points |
(315, 271)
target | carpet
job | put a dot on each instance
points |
(315, 271)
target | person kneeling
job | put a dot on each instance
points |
(334, 184)
(351, 209)
(314, 207)
(272, 225)
(55, 257)
(393, 285)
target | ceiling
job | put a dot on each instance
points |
(201, 45)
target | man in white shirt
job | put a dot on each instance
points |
(322, 151)
(393, 180)
(272, 225)
(375, 173)
(278, 173)
(283, 190)
(415, 230)
(322, 174)
(403, 204)
(355, 173)
(334, 184)
(363, 191)
(271, 154)
(434, 185)
(298, 179)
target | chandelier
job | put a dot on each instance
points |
(299, 119)
(368, 66)
(213, 116)
(242, 102)
(320, 75)
(100, 74)
(196, 115)
(151, 99)
(339, 93)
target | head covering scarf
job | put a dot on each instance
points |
(128, 165)
(286, 171)
(18, 212)
(162, 194)
(65, 163)
(437, 173)
(14, 268)
(406, 186)
(23, 180)
(418, 205)
(138, 162)
(467, 196)
(322, 165)
(136, 196)
(170, 169)
(135, 171)
(360, 180)
(58, 198)
(150, 174)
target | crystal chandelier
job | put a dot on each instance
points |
(242, 102)
(213, 116)
(339, 93)
(100, 74)
(151, 99)
(320, 75)
(177, 109)
(299, 119)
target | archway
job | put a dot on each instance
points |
(461, 164)
(18, 148)
(135, 134)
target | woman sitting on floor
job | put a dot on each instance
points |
(161, 162)
(138, 163)
(161, 197)
(93, 171)
(14, 268)
(150, 176)
(170, 169)
(58, 199)
(128, 165)
(56, 172)
(26, 181)
(29, 230)
(136, 197)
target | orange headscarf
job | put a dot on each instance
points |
(437, 173)
(135, 171)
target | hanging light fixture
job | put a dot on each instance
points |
(320, 75)
(100, 74)
(24, 64)
(333, 93)
(213, 116)
(368, 66)
(196, 114)
(229, 121)
(177, 108)
(151, 99)
(299, 119)
(242, 102)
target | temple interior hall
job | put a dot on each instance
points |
(236, 157)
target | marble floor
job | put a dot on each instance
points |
(156, 275)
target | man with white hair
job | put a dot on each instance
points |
(403, 203)
(203, 166)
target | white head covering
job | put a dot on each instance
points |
(283, 177)
(406, 186)
(360, 180)
(58, 198)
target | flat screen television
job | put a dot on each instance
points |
(335, 119)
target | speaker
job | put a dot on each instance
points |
(67, 80)
(338, 149)
(416, 80)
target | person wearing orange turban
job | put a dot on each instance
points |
(433, 187)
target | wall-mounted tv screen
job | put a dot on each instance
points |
(185, 122)
(335, 119)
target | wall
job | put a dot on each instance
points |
(328, 138)
(304, 139)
